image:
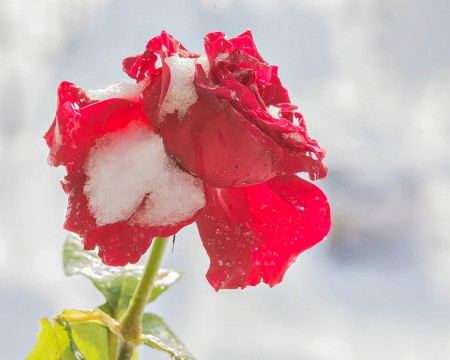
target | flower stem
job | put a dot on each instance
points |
(130, 322)
(125, 351)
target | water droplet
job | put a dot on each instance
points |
(220, 262)
(221, 173)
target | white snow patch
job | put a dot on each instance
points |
(204, 62)
(294, 136)
(57, 134)
(128, 168)
(274, 111)
(221, 57)
(129, 91)
(181, 93)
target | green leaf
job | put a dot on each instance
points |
(116, 283)
(106, 309)
(76, 316)
(71, 351)
(90, 340)
(157, 335)
(135, 355)
(47, 344)
(75, 335)
(54, 342)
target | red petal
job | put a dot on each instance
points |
(75, 130)
(246, 43)
(233, 79)
(139, 66)
(78, 218)
(218, 145)
(152, 98)
(294, 162)
(119, 244)
(122, 242)
(274, 93)
(255, 233)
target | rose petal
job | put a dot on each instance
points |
(218, 145)
(274, 93)
(294, 162)
(139, 66)
(119, 244)
(152, 98)
(78, 217)
(298, 147)
(246, 43)
(122, 243)
(255, 233)
(75, 129)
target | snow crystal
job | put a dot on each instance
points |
(129, 91)
(130, 168)
(221, 57)
(294, 136)
(274, 111)
(204, 62)
(57, 138)
(181, 93)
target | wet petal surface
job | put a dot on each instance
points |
(255, 233)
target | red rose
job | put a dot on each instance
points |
(234, 144)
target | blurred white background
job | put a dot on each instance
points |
(372, 79)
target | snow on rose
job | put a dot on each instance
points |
(209, 138)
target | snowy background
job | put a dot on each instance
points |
(372, 79)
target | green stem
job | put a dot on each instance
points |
(130, 322)
(125, 351)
